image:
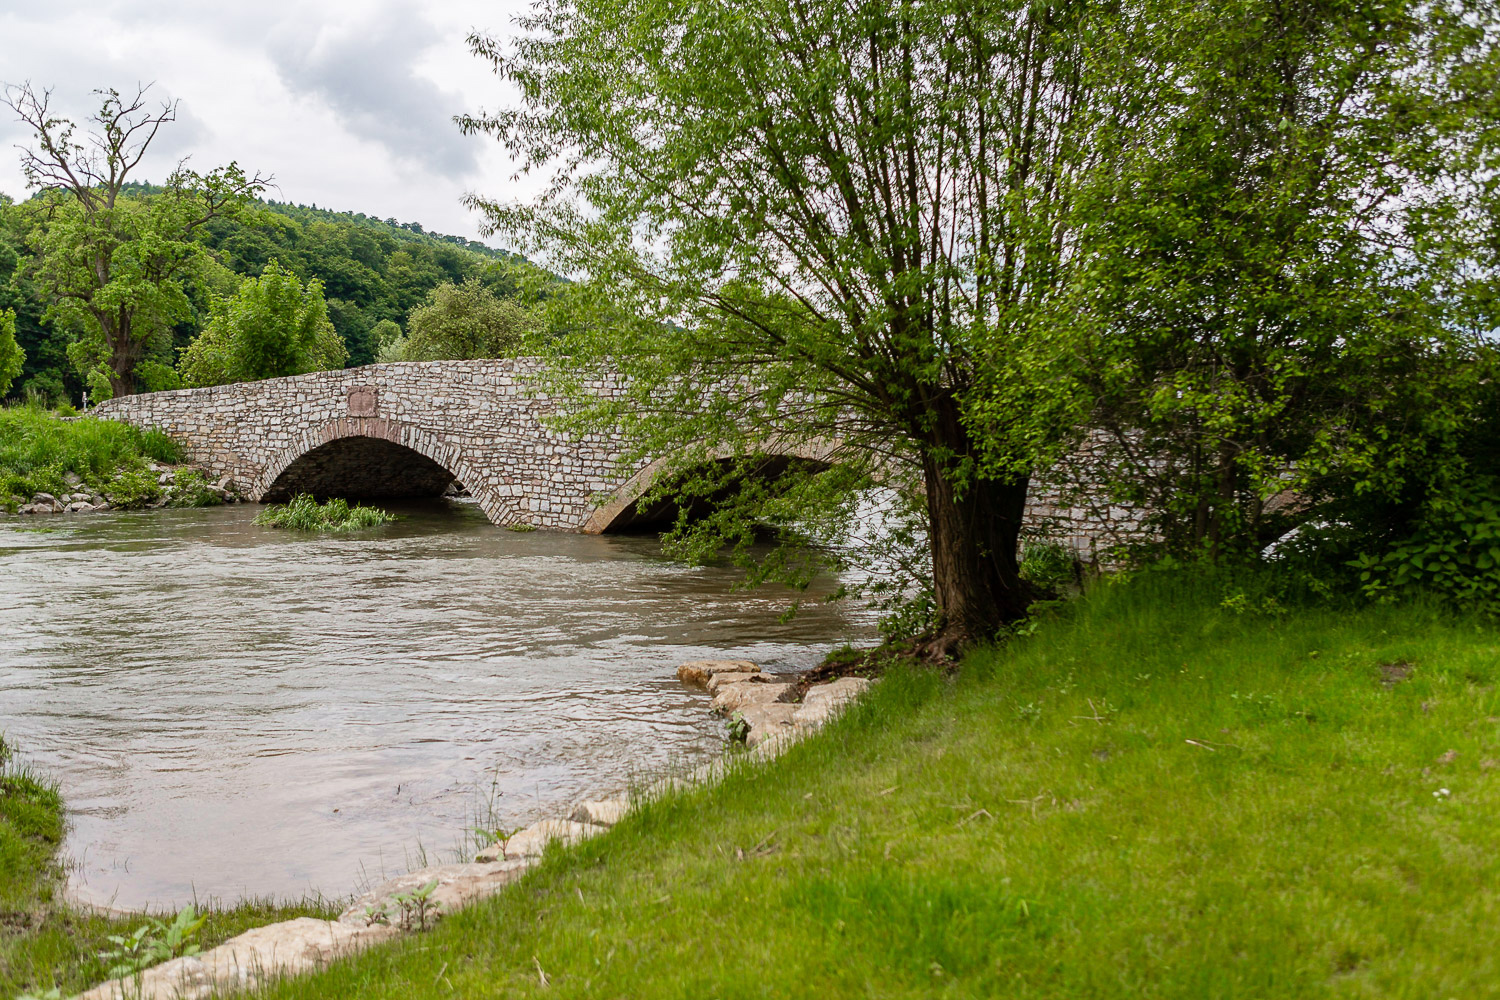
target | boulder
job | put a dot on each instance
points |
(457, 886)
(824, 701)
(766, 721)
(718, 681)
(78, 507)
(72, 478)
(165, 479)
(604, 812)
(738, 697)
(698, 673)
(37, 508)
(532, 841)
(47, 498)
(255, 958)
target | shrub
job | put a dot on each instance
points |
(132, 489)
(1454, 553)
(190, 489)
(273, 326)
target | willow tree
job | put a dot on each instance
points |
(818, 225)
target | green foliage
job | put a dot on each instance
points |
(1287, 275)
(1454, 552)
(1050, 567)
(374, 273)
(154, 942)
(795, 223)
(304, 513)
(133, 489)
(154, 376)
(116, 266)
(461, 322)
(190, 488)
(418, 906)
(37, 447)
(272, 326)
(12, 357)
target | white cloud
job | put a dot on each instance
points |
(348, 104)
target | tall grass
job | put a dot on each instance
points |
(38, 448)
(304, 513)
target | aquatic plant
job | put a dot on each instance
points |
(304, 513)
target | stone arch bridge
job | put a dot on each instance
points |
(411, 429)
(407, 430)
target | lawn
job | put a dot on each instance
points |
(1174, 790)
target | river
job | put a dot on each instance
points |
(235, 711)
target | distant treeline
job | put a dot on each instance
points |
(372, 270)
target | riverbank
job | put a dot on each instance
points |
(52, 463)
(1163, 794)
(45, 943)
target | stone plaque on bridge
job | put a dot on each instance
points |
(364, 401)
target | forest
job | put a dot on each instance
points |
(367, 276)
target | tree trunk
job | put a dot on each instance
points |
(125, 353)
(974, 528)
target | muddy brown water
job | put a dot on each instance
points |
(235, 711)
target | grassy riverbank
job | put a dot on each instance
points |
(1159, 796)
(46, 944)
(39, 450)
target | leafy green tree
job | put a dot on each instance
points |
(807, 222)
(1289, 276)
(460, 322)
(12, 358)
(384, 336)
(116, 263)
(272, 326)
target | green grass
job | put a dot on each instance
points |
(43, 942)
(37, 448)
(1158, 796)
(304, 513)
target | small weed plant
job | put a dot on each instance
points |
(153, 942)
(418, 907)
(304, 513)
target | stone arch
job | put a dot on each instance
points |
(446, 457)
(625, 497)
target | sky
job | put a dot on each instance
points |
(347, 104)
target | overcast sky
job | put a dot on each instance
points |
(348, 104)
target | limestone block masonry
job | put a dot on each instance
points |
(353, 432)
(410, 429)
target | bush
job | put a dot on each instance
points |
(190, 489)
(132, 489)
(303, 513)
(1453, 553)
